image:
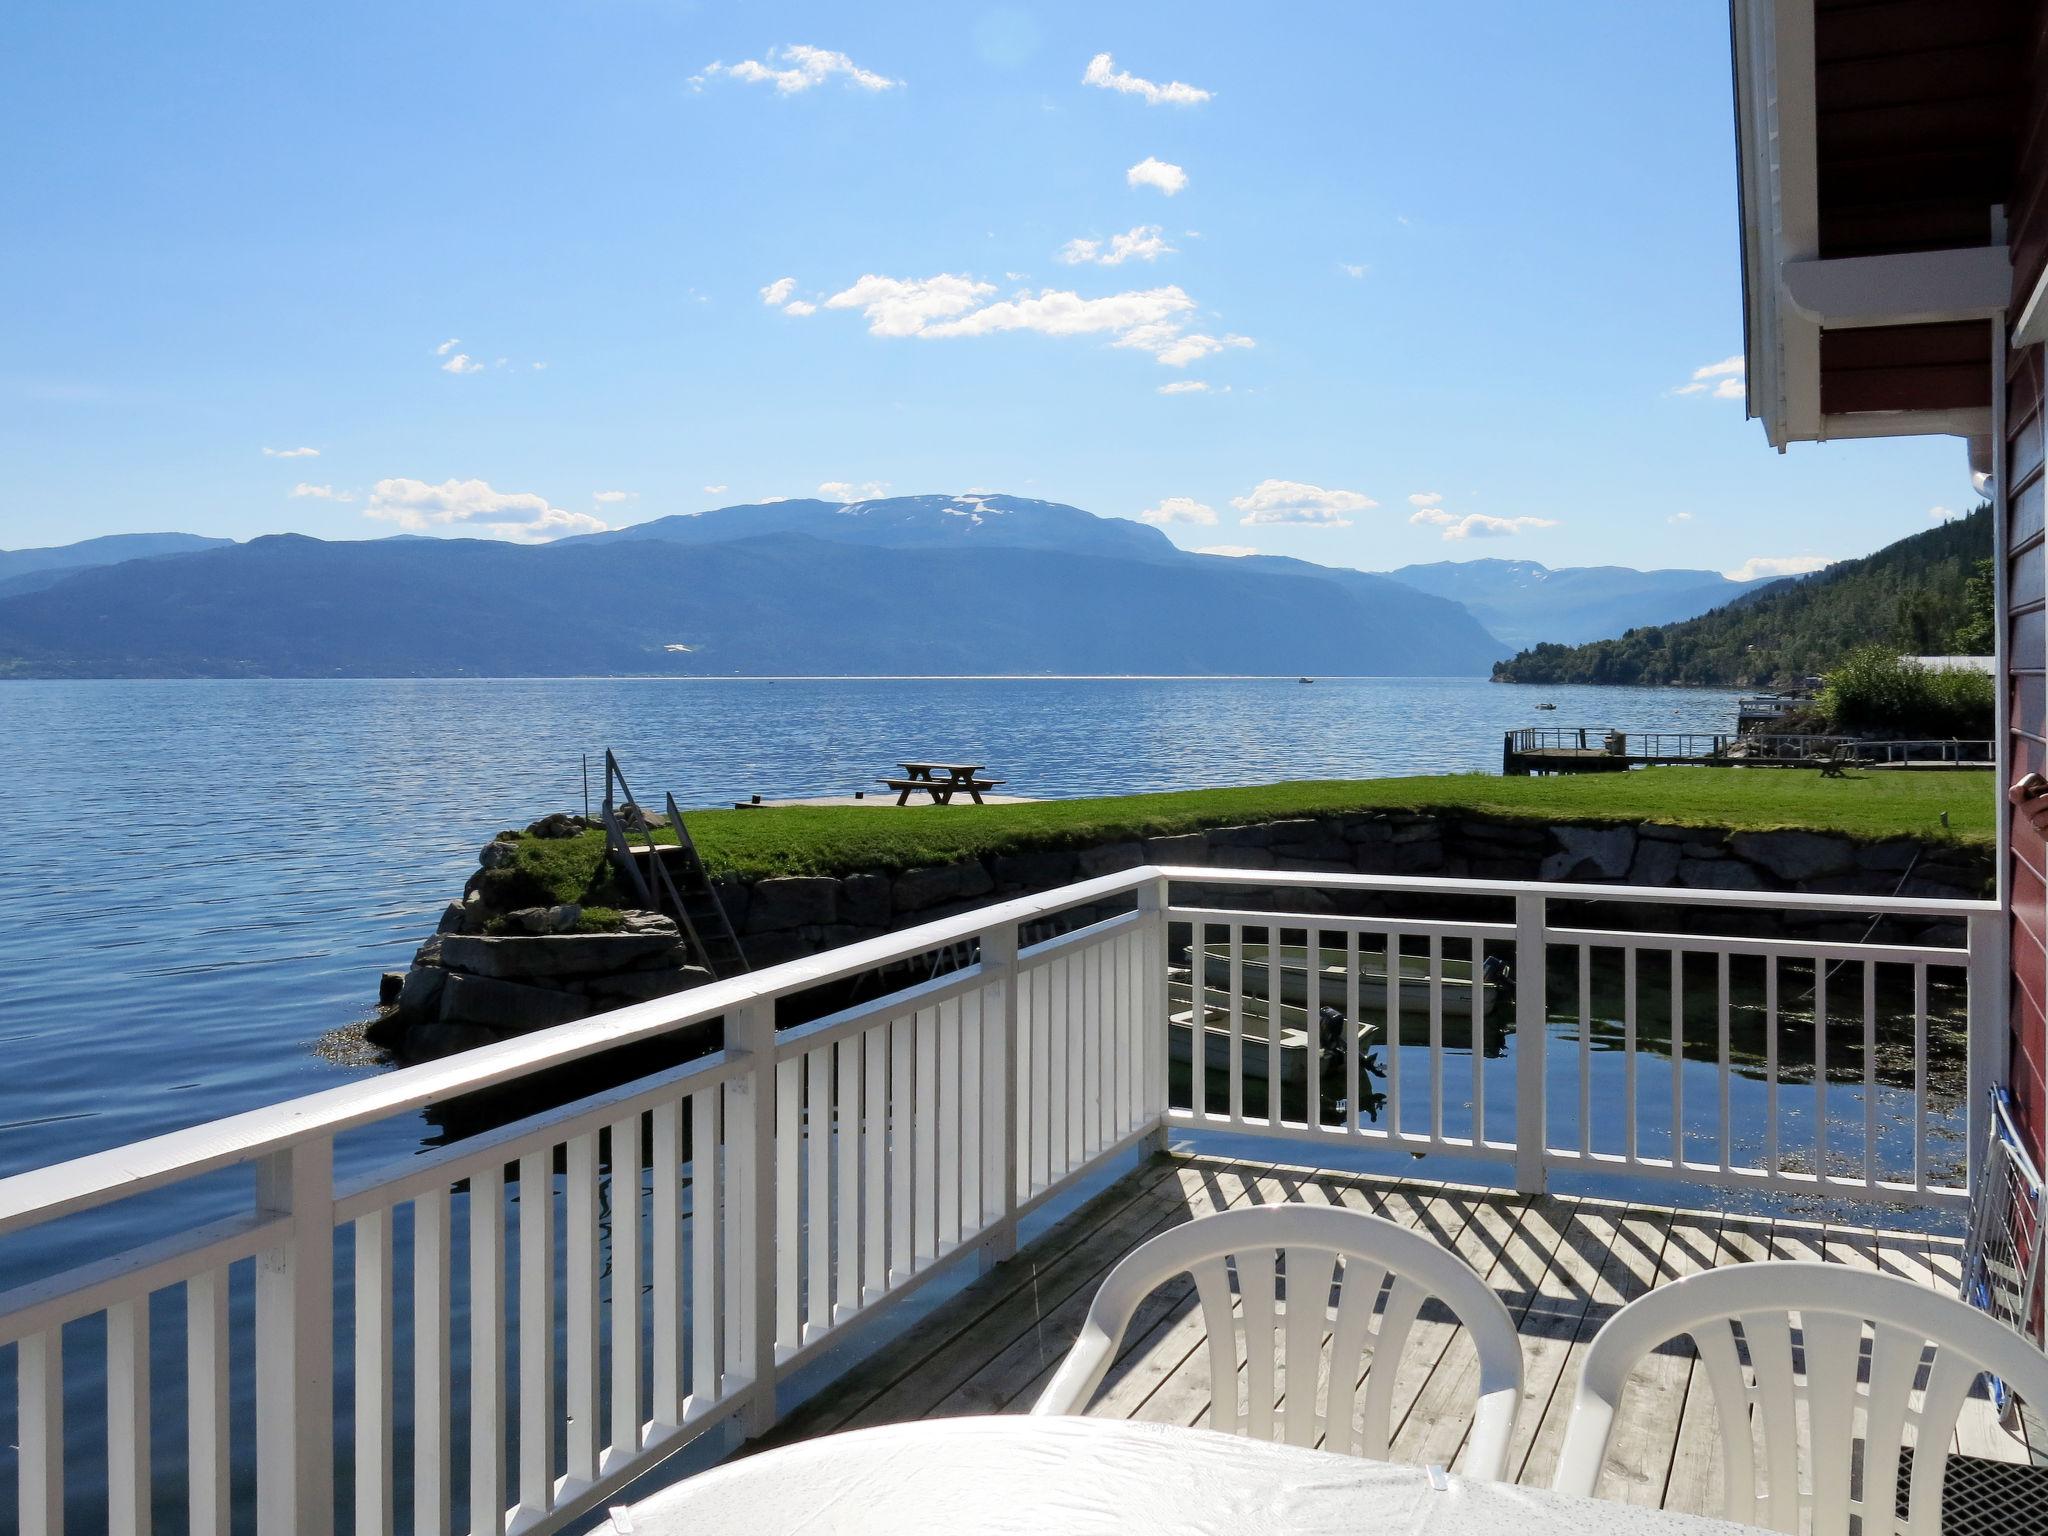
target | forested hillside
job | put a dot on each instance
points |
(1922, 596)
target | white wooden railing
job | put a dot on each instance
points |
(538, 1314)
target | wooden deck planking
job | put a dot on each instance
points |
(1562, 1265)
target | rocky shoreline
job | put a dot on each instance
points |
(487, 975)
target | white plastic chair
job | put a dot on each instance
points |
(1823, 1362)
(1321, 1245)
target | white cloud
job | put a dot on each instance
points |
(715, 490)
(1143, 243)
(1777, 565)
(291, 453)
(1293, 501)
(474, 507)
(897, 306)
(1426, 499)
(1477, 525)
(1149, 320)
(1232, 551)
(1154, 172)
(1103, 73)
(607, 498)
(847, 491)
(1184, 387)
(799, 307)
(448, 346)
(1677, 519)
(778, 292)
(1940, 514)
(1179, 509)
(1353, 268)
(803, 68)
(1717, 381)
(461, 363)
(322, 492)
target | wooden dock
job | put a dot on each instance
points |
(1562, 1264)
(1598, 749)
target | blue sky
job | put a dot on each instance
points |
(502, 267)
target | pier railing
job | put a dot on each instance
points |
(500, 1333)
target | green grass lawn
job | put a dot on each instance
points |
(834, 840)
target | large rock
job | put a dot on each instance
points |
(1656, 862)
(1719, 875)
(649, 923)
(918, 889)
(426, 1042)
(571, 954)
(1111, 859)
(1795, 855)
(509, 1007)
(1035, 869)
(793, 901)
(641, 986)
(1186, 848)
(1589, 853)
(420, 995)
(864, 901)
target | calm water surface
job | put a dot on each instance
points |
(204, 877)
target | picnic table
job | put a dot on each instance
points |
(942, 781)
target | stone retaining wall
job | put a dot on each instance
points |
(466, 987)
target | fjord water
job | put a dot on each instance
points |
(204, 877)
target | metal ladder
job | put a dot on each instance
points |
(673, 880)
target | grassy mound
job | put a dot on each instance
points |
(838, 840)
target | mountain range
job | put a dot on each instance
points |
(973, 583)
(1523, 603)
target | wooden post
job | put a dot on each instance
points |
(1532, 1008)
(999, 1120)
(750, 1139)
(295, 1344)
(1153, 899)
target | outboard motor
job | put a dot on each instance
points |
(1498, 971)
(1330, 1025)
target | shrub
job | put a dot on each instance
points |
(1876, 691)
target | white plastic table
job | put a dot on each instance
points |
(1054, 1476)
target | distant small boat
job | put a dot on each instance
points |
(1304, 679)
(1546, 706)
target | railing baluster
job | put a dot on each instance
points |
(373, 1467)
(580, 1305)
(1820, 1069)
(1771, 1065)
(1677, 1060)
(128, 1509)
(818, 1202)
(1532, 1038)
(432, 1492)
(1236, 1004)
(665, 1256)
(1476, 1018)
(1920, 1075)
(1312, 1000)
(1059, 1014)
(1436, 1036)
(924, 1140)
(875, 1151)
(536, 1334)
(1721, 1048)
(487, 1490)
(1276, 938)
(952, 1021)
(209, 1490)
(1354, 1114)
(627, 1326)
(902, 1134)
(846, 1212)
(785, 1176)
(1391, 951)
(1869, 1072)
(1585, 1050)
(39, 1368)
(750, 1207)
(712, 1228)
(1628, 1051)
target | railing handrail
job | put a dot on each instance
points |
(1681, 896)
(116, 1173)
(43, 1194)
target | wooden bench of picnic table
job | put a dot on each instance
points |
(941, 790)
